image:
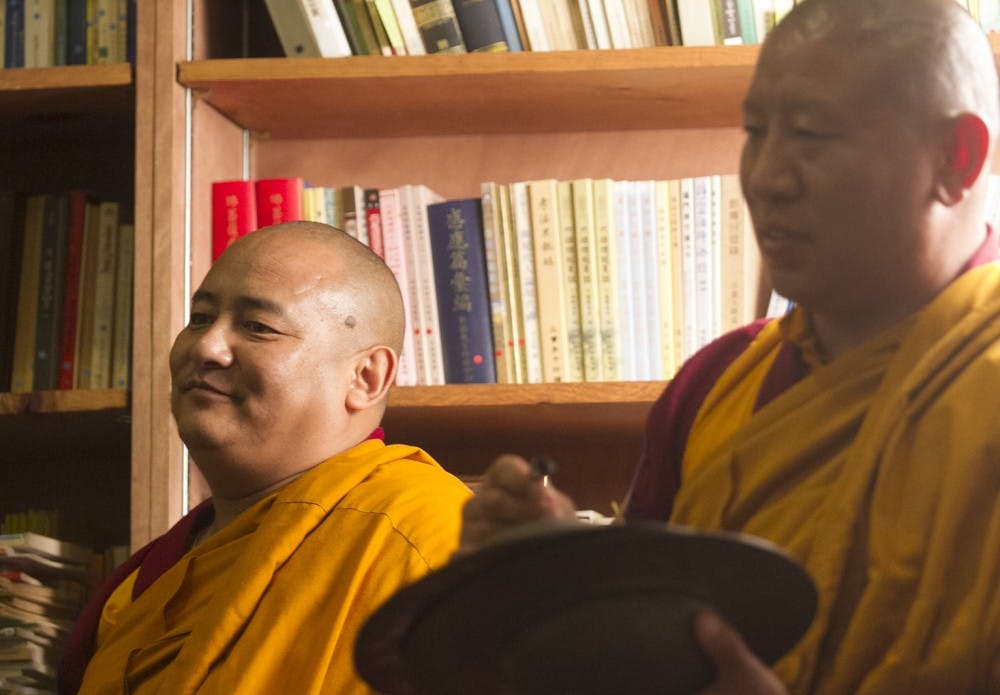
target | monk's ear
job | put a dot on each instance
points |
(373, 374)
(967, 145)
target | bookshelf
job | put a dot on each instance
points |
(62, 128)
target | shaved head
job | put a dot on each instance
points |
(368, 303)
(929, 54)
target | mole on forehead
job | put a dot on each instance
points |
(350, 321)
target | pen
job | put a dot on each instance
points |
(542, 467)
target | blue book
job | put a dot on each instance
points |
(456, 231)
(480, 23)
(76, 32)
(13, 47)
(506, 13)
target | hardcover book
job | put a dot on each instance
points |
(479, 22)
(234, 213)
(51, 283)
(496, 283)
(438, 25)
(549, 285)
(278, 200)
(23, 369)
(395, 257)
(463, 299)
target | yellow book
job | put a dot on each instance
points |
(607, 279)
(549, 285)
(496, 271)
(104, 296)
(571, 282)
(664, 276)
(85, 305)
(121, 346)
(23, 367)
(586, 262)
(512, 277)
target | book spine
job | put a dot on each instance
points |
(121, 345)
(234, 213)
(51, 281)
(455, 231)
(85, 309)
(104, 297)
(13, 48)
(697, 22)
(326, 28)
(22, 372)
(39, 36)
(411, 289)
(664, 277)
(607, 279)
(703, 261)
(627, 294)
(373, 218)
(479, 22)
(599, 22)
(658, 22)
(293, 29)
(748, 22)
(395, 258)
(428, 290)
(382, 39)
(690, 311)
(729, 22)
(586, 261)
(573, 354)
(647, 218)
(534, 25)
(438, 25)
(104, 32)
(549, 287)
(496, 282)
(521, 219)
(676, 269)
(278, 200)
(11, 247)
(617, 19)
(393, 29)
(60, 37)
(514, 322)
(408, 27)
(509, 25)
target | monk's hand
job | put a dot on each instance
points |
(737, 670)
(511, 494)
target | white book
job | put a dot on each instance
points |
(664, 279)
(639, 283)
(521, 219)
(607, 279)
(626, 287)
(697, 22)
(571, 283)
(534, 25)
(652, 361)
(704, 296)
(419, 197)
(589, 292)
(308, 28)
(614, 11)
(408, 27)
(640, 24)
(689, 314)
(407, 277)
(588, 25)
(598, 21)
(676, 269)
(393, 247)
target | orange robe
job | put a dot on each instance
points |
(272, 603)
(880, 471)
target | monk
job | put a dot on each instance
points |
(859, 431)
(279, 382)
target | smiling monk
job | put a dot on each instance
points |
(279, 384)
(860, 432)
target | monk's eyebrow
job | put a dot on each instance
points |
(243, 303)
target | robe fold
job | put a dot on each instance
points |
(272, 603)
(880, 472)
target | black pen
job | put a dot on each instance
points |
(542, 467)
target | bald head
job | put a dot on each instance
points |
(931, 55)
(368, 303)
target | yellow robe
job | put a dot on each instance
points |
(272, 603)
(881, 472)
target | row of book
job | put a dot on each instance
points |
(66, 300)
(44, 33)
(538, 281)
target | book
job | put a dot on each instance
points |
(689, 310)
(607, 279)
(697, 22)
(658, 22)
(598, 22)
(408, 27)
(523, 236)
(387, 33)
(496, 283)
(507, 251)
(652, 362)
(22, 370)
(60, 37)
(729, 21)
(417, 198)
(455, 229)
(13, 47)
(534, 25)
(85, 308)
(508, 23)
(403, 265)
(571, 282)
(748, 21)
(278, 200)
(586, 261)
(11, 244)
(102, 318)
(614, 12)
(663, 209)
(640, 24)
(479, 22)
(438, 25)
(357, 26)
(629, 276)
(549, 284)
(51, 283)
(47, 546)
(373, 220)
(394, 249)
(234, 213)
(39, 33)
(121, 342)
(308, 28)
(352, 199)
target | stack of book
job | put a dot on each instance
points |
(66, 299)
(43, 585)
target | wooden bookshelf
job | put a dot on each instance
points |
(557, 91)
(71, 92)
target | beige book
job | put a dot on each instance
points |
(23, 367)
(607, 279)
(515, 313)
(586, 261)
(571, 282)
(85, 307)
(549, 283)
(104, 296)
(121, 344)
(496, 270)
(523, 233)
(664, 276)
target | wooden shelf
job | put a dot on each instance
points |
(68, 93)
(71, 401)
(524, 92)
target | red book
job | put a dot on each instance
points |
(278, 200)
(71, 291)
(234, 213)
(373, 215)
